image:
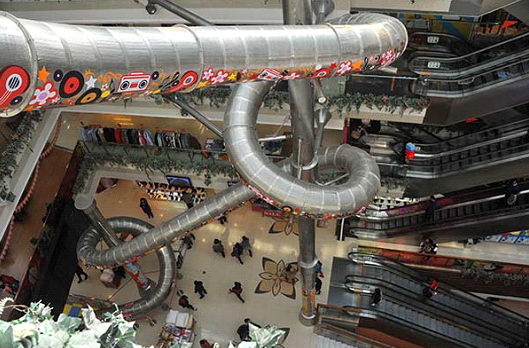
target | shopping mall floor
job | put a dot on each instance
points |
(219, 314)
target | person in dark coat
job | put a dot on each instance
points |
(200, 289)
(79, 271)
(144, 205)
(432, 205)
(376, 297)
(513, 189)
(427, 292)
(218, 247)
(223, 219)
(184, 302)
(237, 252)
(237, 290)
(246, 245)
(317, 285)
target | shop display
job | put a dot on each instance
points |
(166, 192)
(177, 329)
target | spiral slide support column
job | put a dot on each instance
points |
(54, 65)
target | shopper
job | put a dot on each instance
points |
(205, 344)
(317, 285)
(237, 290)
(513, 189)
(120, 271)
(184, 302)
(409, 151)
(427, 292)
(218, 247)
(200, 289)
(434, 286)
(432, 205)
(188, 240)
(244, 330)
(319, 267)
(290, 274)
(79, 271)
(376, 297)
(246, 245)
(428, 246)
(237, 252)
(144, 205)
(223, 219)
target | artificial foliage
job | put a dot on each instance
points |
(218, 96)
(37, 329)
(183, 161)
(9, 159)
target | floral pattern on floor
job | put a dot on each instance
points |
(286, 227)
(278, 278)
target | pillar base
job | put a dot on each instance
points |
(306, 321)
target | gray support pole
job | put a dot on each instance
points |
(178, 10)
(302, 120)
(197, 115)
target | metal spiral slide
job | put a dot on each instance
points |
(54, 65)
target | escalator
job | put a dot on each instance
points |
(402, 312)
(474, 84)
(470, 215)
(491, 155)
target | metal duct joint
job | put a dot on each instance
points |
(279, 188)
(166, 261)
(54, 65)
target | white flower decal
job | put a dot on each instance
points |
(344, 68)
(43, 94)
(220, 77)
(208, 74)
(292, 76)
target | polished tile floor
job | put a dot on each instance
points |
(219, 314)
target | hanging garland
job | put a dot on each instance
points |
(218, 96)
(196, 164)
(19, 141)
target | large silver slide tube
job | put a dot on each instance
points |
(280, 188)
(46, 65)
(163, 234)
(166, 261)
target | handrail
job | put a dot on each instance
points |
(356, 336)
(416, 275)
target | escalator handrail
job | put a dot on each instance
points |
(413, 273)
(468, 55)
(440, 306)
(443, 313)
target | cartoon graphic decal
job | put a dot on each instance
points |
(292, 76)
(44, 94)
(134, 82)
(321, 73)
(344, 68)
(91, 82)
(14, 81)
(57, 75)
(89, 96)
(71, 84)
(270, 75)
(155, 75)
(208, 74)
(43, 74)
(220, 77)
(187, 81)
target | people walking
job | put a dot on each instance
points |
(428, 246)
(513, 189)
(218, 247)
(79, 271)
(205, 344)
(319, 267)
(144, 205)
(430, 211)
(188, 240)
(317, 285)
(376, 297)
(427, 292)
(290, 274)
(237, 290)
(200, 289)
(237, 252)
(246, 245)
(184, 302)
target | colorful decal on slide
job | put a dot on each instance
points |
(134, 82)
(71, 84)
(187, 81)
(89, 96)
(344, 68)
(14, 81)
(320, 74)
(220, 77)
(292, 76)
(208, 74)
(270, 75)
(43, 95)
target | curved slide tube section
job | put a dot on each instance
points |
(53, 65)
(166, 261)
(281, 189)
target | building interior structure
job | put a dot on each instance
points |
(369, 159)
